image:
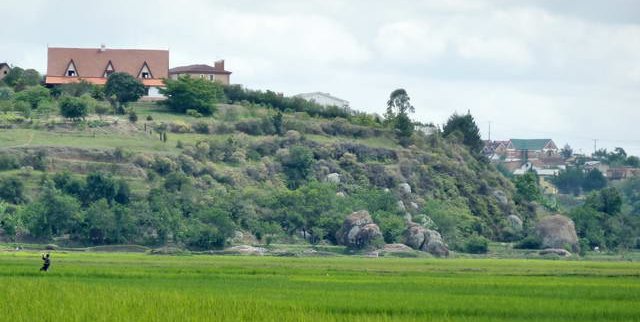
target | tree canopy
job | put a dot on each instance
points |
(188, 93)
(464, 127)
(121, 89)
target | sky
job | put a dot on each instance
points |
(566, 70)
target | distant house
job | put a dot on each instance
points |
(4, 70)
(621, 173)
(94, 65)
(324, 99)
(212, 73)
(528, 149)
(495, 148)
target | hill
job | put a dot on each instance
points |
(246, 174)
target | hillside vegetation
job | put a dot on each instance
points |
(261, 169)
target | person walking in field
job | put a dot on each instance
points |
(46, 264)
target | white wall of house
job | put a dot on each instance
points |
(324, 99)
(154, 92)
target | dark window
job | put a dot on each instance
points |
(210, 77)
(5, 72)
(145, 75)
(71, 73)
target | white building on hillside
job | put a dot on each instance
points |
(324, 99)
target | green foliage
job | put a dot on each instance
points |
(529, 242)
(52, 214)
(464, 127)
(391, 225)
(397, 115)
(608, 201)
(527, 186)
(476, 245)
(453, 220)
(121, 89)
(73, 107)
(297, 165)
(20, 79)
(196, 94)
(33, 95)
(574, 180)
(132, 116)
(237, 94)
(12, 190)
(76, 89)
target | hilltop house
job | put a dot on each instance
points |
(4, 70)
(212, 73)
(536, 154)
(94, 65)
(324, 99)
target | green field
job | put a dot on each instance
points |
(140, 287)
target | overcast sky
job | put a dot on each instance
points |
(566, 70)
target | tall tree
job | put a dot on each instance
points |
(121, 89)
(397, 115)
(464, 127)
(188, 93)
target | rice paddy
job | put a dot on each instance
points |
(141, 287)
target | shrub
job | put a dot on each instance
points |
(529, 242)
(8, 162)
(476, 245)
(73, 107)
(192, 93)
(201, 127)
(193, 113)
(133, 117)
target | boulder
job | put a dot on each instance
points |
(414, 205)
(427, 240)
(401, 206)
(396, 248)
(515, 222)
(247, 250)
(557, 251)
(414, 235)
(341, 194)
(358, 231)
(404, 188)
(558, 232)
(333, 178)
(501, 197)
(434, 244)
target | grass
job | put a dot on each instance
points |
(138, 287)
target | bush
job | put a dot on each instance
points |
(73, 107)
(529, 242)
(8, 162)
(476, 245)
(133, 117)
(194, 113)
(201, 127)
(187, 93)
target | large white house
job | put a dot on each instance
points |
(324, 99)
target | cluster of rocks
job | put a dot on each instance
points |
(358, 231)
(427, 240)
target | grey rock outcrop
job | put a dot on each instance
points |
(333, 178)
(558, 232)
(404, 188)
(427, 240)
(358, 231)
(401, 206)
(556, 251)
(515, 222)
(501, 197)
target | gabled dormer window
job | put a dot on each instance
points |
(108, 70)
(145, 72)
(71, 70)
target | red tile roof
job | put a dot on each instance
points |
(91, 63)
(198, 69)
(57, 80)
